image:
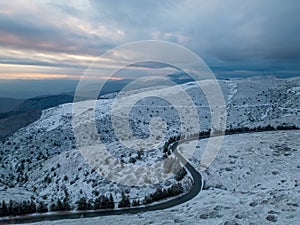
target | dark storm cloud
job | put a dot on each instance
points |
(235, 32)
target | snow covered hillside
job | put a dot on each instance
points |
(253, 180)
(42, 161)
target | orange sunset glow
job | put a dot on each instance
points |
(35, 76)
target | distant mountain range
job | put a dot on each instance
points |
(19, 113)
(8, 104)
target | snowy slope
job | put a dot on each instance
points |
(46, 151)
(253, 180)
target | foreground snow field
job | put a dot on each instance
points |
(253, 180)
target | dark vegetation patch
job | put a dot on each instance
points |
(11, 124)
(27, 112)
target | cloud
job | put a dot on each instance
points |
(226, 34)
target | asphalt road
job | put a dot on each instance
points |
(195, 189)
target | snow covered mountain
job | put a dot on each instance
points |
(42, 162)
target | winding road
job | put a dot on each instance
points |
(196, 188)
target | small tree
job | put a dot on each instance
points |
(111, 201)
(4, 210)
(180, 174)
(42, 207)
(82, 204)
(136, 202)
(125, 202)
(53, 207)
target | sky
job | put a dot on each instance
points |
(57, 39)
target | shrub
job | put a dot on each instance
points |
(125, 202)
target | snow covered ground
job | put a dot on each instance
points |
(253, 180)
(43, 160)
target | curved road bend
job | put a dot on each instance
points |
(196, 188)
